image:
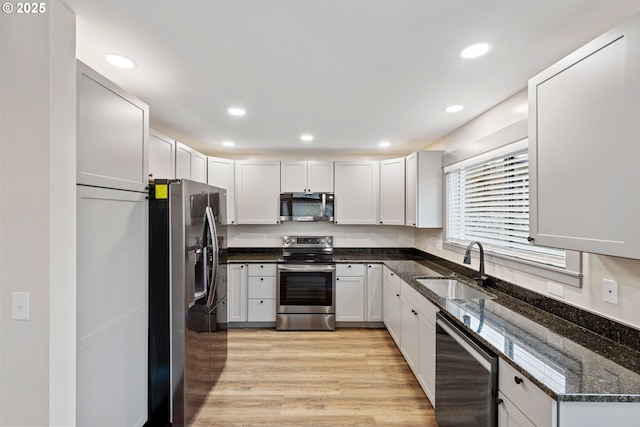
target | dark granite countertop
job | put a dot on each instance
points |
(567, 361)
(563, 359)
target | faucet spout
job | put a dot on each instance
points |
(483, 280)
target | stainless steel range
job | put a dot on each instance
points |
(306, 284)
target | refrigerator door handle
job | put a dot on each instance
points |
(213, 280)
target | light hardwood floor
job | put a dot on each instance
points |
(349, 377)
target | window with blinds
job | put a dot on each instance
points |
(487, 199)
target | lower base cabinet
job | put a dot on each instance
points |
(391, 311)
(509, 415)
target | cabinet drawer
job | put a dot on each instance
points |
(420, 302)
(261, 310)
(262, 270)
(262, 287)
(535, 404)
(350, 269)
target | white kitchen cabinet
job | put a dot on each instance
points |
(162, 150)
(426, 373)
(261, 293)
(306, 177)
(374, 293)
(237, 292)
(221, 173)
(356, 192)
(350, 293)
(391, 303)
(583, 147)
(257, 192)
(113, 148)
(190, 164)
(424, 189)
(524, 400)
(409, 333)
(112, 307)
(509, 415)
(392, 194)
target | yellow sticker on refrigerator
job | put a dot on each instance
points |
(162, 191)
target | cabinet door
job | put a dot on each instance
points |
(221, 173)
(427, 356)
(424, 189)
(183, 161)
(356, 192)
(198, 167)
(161, 156)
(350, 299)
(374, 293)
(412, 190)
(392, 182)
(258, 192)
(509, 415)
(583, 147)
(112, 307)
(409, 334)
(237, 294)
(320, 177)
(293, 177)
(391, 310)
(112, 134)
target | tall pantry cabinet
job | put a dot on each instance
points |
(112, 237)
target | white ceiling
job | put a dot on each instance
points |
(350, 72)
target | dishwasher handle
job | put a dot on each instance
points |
(476, 351)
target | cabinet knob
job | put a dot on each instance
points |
(349, 266)
(398, 295)
(518, 380)
(261, 301)
(261, 279)
(337, 278)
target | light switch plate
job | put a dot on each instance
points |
(20, 306)
(610, 291)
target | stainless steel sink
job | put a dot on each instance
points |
(452, 289)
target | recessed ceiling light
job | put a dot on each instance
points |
(454, 108)
(228, 143)
(120, 61)
(475, 50)
(236, 111)
(306, 137)
(384, 144)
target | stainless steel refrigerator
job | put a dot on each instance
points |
(187, 297)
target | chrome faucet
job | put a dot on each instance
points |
(483, 280)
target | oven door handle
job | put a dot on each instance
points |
(307, 268)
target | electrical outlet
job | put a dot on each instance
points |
(439, 245)
(555, 289)
(348, 236)
(263, 237)
(20, 306)
(610, 291)
(400, 238)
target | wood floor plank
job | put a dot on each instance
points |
(349, 377)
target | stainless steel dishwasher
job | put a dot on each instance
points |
(466, 378)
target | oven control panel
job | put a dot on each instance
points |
(307, 242)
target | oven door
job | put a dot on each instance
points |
(306, 288)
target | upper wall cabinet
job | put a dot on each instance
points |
(392, 182)
(257, 192)
(306, 177)
(112, 134)
(356, 192)
(221, 173)
(584, 133)
(424, 189)
(161, 156)
(190, 164)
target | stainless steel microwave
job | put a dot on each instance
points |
(306, 207)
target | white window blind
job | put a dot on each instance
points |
(488, 201)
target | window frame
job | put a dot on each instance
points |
(572, 273)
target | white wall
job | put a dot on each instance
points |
(595, 267)
(37, 195)
(345, 236)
